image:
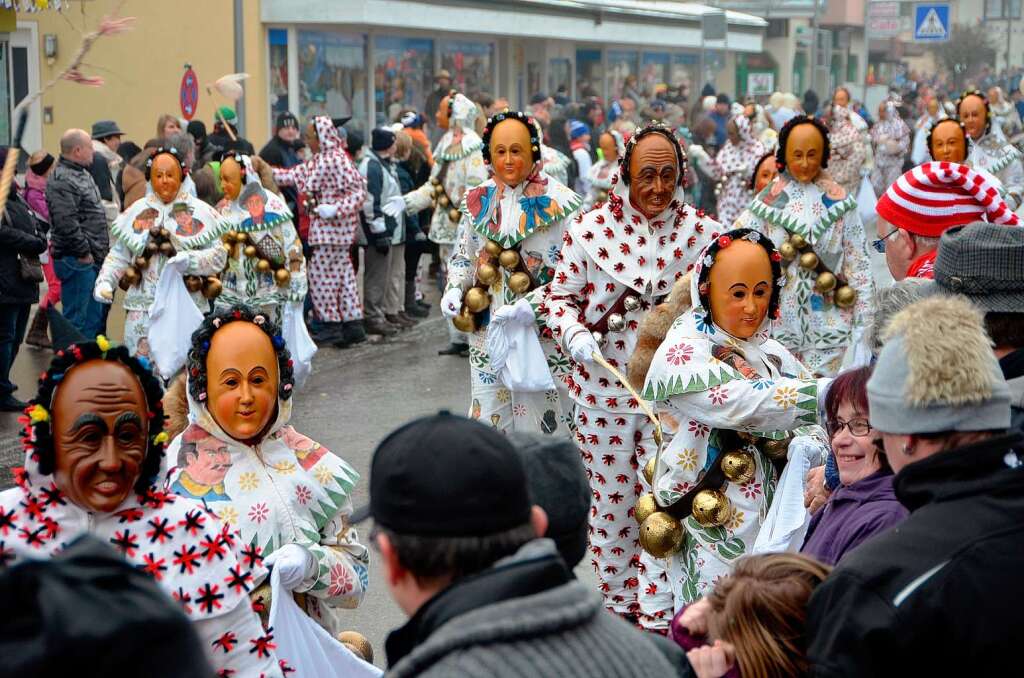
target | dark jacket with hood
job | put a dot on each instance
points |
(940, 594)
(78, 221)
(18, 236)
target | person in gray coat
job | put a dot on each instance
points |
(459, 542)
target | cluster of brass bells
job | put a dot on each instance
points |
(159, 243)
(826, 282)
(616, 321)
(478, 298)
(602, 196)
(441, 200)
(660, 533)
(235, 239)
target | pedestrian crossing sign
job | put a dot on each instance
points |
(931, 23)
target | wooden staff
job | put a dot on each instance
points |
(11, 164)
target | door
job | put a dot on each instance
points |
(24, 80)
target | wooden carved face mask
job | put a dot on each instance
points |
(653, 175)
(230, 178)
(165, 177)
(510, 152)
(242, 381)
(740, 288)
(805, 148)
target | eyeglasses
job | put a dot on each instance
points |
(879, 244)
(858, 427)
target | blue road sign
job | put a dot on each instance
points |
(931, 23)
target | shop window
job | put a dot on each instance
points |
(403, 76)
(622, 74)
(685, 71)
(278, 45)
(654, 74)
(332, 77)
(852, 66)
(471, 65)
(559, 75)
(589, 74)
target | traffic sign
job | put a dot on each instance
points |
(931, 23)
(188, 94)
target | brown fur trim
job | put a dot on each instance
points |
(653, 329)
(948, 354)
(176, 407)
(266, 173)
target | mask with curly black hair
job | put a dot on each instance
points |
(722, 242)
(647, 130)
(787, 129)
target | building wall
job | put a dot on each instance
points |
(143, 68)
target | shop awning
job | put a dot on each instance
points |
(648, 23)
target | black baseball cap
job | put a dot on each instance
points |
(447, 476)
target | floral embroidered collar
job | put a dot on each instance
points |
(809, 209)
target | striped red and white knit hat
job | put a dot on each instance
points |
(938, 195)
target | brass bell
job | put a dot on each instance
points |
(442, 201)
(493, 248)
(454, 214)
(231, 236)
(509, 259)
(487, 274)
(519, 282)
(809, 260)
(776, 449)
(262, 265)
(738, 466)
(643, 509)
(167, 249)
(649, 469)
(152, 248)
(358, 644)
(129, 278)
(250, 250)
(616, 323)
(599, 338)
(464, 321)
(787, 251)
(164, 233)
(825, 283)
(141, 263)
(711, 508)
(241, 238)
(631, 303)
(283, 276)
(213, 288)
(154, 231)
(845, 296)
(798, 241)
(435, 181)
(661, 534)
(193, 283)
(229, 247)
(602, 196)
(477, 299)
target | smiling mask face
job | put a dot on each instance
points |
(242, 380)
(740, 288)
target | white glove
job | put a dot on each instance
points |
(394, 206)
(377, 226)
(292, 562)
(103, 293)
(519, 313)
(179, 262)
(583, 346)
(451, 303)
(326, 211)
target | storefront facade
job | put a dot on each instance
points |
(371, 59)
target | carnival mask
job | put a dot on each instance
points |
(510, 152)
(804, 150)
(230, 178)
(841, 98)
(100, 428)
(441, 116)
(948, 143)
(609, 149)
(732, 132)
(242, 380)
(740, 288)
(766, 173)
(165, 177)
(973, 115)
(653, 175)
(312, 139)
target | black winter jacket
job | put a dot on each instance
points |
(941, 593)
(18, 235)
(78, 222)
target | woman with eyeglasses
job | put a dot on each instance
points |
(865, 503)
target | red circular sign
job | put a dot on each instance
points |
(189, 94)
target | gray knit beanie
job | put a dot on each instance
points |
(936, 372)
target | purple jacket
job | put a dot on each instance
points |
(853, 513)
(35, 194)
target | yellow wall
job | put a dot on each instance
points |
(143, 68)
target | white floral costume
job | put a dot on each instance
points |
(690, 376)
(556, 164)
(288, 489)
(732, 167)
(997, 156)
(611, 253)
(812, 327)
(532, 217)
(191, 555)
(200, 241)
(243, 282)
